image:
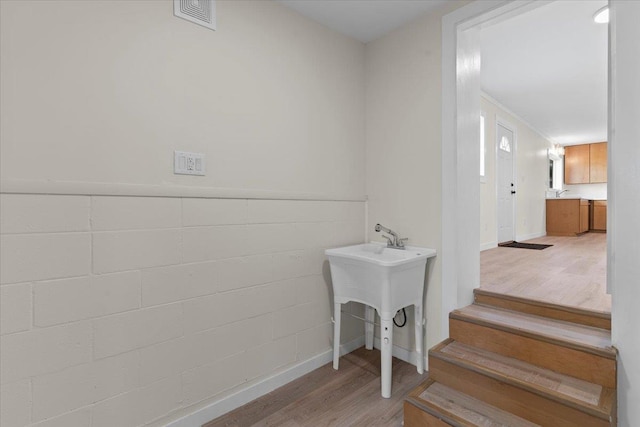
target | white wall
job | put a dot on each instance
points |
(624, 205)
(588, 191)
(403, 147)
(532, 170)
(74, 99)
(126, 310)
(99, 94)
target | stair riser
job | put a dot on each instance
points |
(515, 400)
(569, 361)
(544, 310)
(415, 417)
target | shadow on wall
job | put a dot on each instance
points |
(326, 274)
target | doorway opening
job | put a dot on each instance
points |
(539, 92)
(463, 61)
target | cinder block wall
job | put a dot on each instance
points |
(126, 310)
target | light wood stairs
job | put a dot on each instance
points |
(511, 361)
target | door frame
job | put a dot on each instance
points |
(622, 224)
(514, 147)
(460, 190)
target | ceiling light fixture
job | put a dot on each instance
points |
(602, 15)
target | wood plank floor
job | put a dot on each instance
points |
(572, 272)
(326, 397)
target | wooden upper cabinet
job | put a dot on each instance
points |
(576, 164)
(586, 163)
(598, 162)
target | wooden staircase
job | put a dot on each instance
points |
(510, 361)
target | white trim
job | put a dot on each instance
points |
(403, 354)
(611, 159)
(165, 190)
(254, 391)
(470, 15)
(515, 116)
(530, 236)
(488, 245)
(553, 156)
(519, 238)
(483, 117)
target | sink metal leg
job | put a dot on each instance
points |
(337, 307)
(417, 309)
(386, 344)
(370, 317)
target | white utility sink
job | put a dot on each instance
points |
(383, 278)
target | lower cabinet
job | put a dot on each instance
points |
(567, 217)
(599, 215)
(584, 216)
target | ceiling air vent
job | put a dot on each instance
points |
(201, 12)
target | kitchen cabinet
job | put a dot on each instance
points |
(598, 162)
(584, 216)
(585, 164)
(567, 217)
(576, 164)
(599, 215)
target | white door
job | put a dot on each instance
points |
(506, 184)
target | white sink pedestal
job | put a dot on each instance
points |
(383, 279)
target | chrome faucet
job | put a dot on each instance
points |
(559, 192)
(393, 240)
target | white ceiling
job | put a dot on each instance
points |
(548, 65)
(363, 20)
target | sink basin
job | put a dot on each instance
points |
(380, 254)
(383, 278)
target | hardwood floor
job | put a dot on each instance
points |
(572, 272)
(326, 397)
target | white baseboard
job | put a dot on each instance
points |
(247, 394)
(531, 236)
(489, 245)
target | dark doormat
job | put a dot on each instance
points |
(536, 246)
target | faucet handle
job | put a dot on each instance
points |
(401, 241)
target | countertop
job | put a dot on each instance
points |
(575, 198)
(566, 198)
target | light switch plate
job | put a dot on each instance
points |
(185, 163)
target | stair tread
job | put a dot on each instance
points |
(472, 410)
(542, 379)
(478, 292)
(537, 325)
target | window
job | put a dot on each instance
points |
(505, 144)
(556, 171)
(483, 178)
